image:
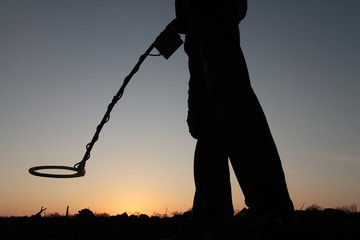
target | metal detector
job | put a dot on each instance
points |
(166, 43)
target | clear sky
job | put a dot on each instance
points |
(62, 61)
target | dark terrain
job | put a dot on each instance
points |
(312, 224)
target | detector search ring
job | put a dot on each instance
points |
(78, 172)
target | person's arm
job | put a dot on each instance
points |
(180, 11)
(242, 9)
(180, 6)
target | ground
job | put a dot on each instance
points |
(312, 224)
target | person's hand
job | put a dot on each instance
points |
(169, 40)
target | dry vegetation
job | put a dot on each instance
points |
(313, 223)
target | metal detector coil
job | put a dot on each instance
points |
(76, 172)
(166, 43)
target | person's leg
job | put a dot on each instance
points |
(212, 199)
(249, 142)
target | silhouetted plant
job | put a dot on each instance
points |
(314, 208)
(102, 215)
(352, 208)
(85, 214)
(144, 217)
(38, 215)
(159, 215)
(54, 215)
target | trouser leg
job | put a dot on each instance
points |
(248, 140)
(212, 199)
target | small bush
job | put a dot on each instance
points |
(314, 208)
(352, 208)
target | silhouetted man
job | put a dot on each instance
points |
(226, 118)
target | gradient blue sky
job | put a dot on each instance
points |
(62, 61)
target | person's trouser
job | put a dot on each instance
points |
(227, 120)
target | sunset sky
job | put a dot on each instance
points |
(62, 61)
